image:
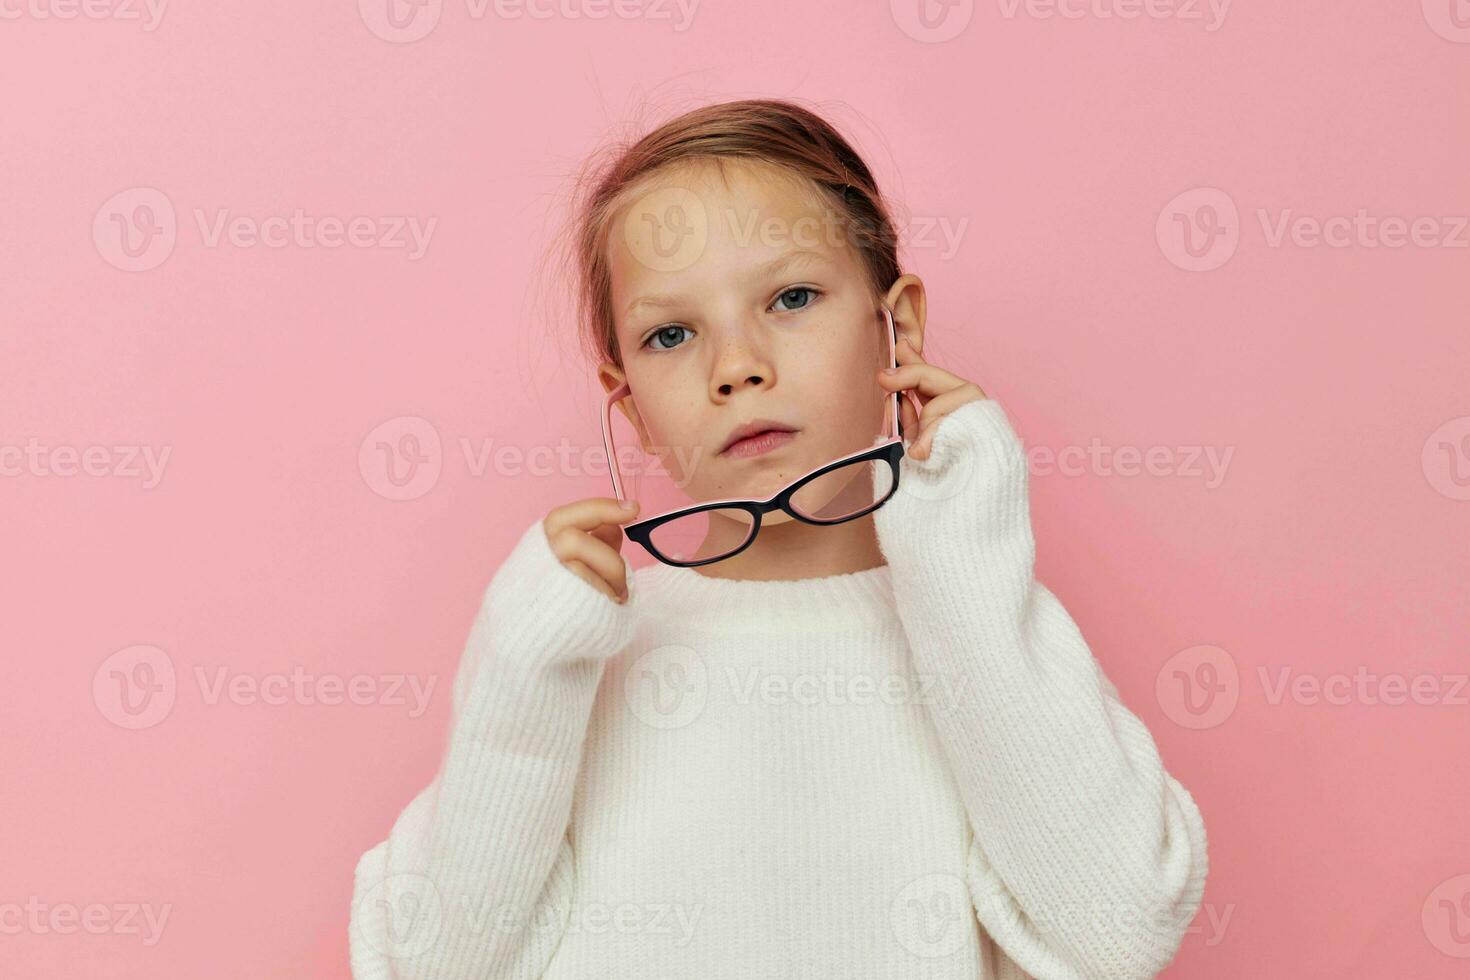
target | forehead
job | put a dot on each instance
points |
(702, 225)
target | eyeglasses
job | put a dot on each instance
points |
(842, 490)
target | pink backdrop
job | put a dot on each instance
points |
(1212, 259)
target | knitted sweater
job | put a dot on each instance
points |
(917, 770)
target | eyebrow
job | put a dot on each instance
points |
(795, 257)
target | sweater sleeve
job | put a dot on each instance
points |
(1088, 859)
(470, 879)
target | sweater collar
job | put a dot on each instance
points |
(828, 602)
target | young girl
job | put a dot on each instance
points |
(871, 749)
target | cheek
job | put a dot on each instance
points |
(837, 385)
(669, 422)
(675, 438)
(851, 399)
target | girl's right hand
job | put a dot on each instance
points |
(585, 536)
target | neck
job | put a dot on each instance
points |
(812, 584)
(795, 550)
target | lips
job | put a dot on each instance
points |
(754, 428)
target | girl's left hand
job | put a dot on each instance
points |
(938, 392)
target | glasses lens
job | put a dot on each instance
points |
(704, 535)
(846, 491)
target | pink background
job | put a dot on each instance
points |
(1335, 543)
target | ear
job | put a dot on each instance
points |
(611, 376)
(906, 299)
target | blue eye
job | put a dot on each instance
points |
(663, 333)
(668, 337)
(798, 291)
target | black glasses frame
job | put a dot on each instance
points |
(891, 453)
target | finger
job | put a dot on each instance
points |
(941, 405)
(921, 446)
(609, 534)
(587, 514)
(938, 409)
(907, 353)
(607, 564)
(924, 444)
(927, 380)
(612, 534)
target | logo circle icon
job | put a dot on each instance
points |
(1446, 459)
(136, 229)
(1199, 230)
(931, 916)
(135, 687)
(667, 687)
(401, 21)
(667, 229)
(402, 915)
(1446, 917)
(1198, 687)
(402, 458)
(1450, 19)
(932, 21)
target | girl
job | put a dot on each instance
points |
(877, 748)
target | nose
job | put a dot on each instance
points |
(741, 363)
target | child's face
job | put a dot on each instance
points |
(740, 303)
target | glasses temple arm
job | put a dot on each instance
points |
(613, 397)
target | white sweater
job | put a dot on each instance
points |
(913, 771)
